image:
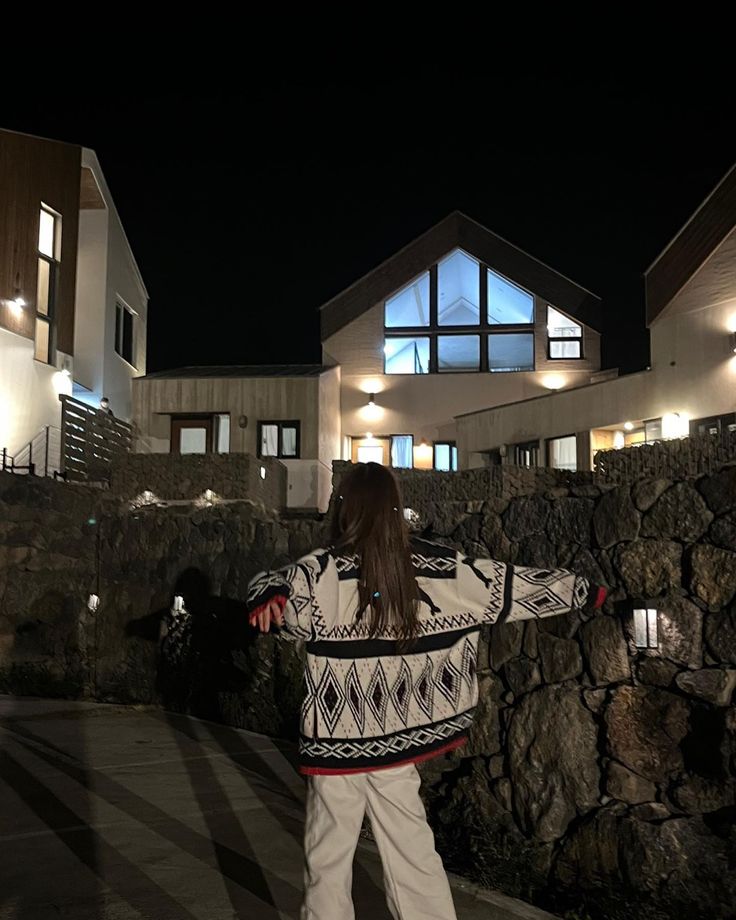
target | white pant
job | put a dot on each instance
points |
(415, 880)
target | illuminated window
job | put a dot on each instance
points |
(458, 290)
(564, 336)
(508, 303)
(406, 355)
(402, 451)
(410, 307)
(49, 253)
(445, 456)
(511, 351)
(562, 453)
(458, 353)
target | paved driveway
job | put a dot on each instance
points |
(115, 813)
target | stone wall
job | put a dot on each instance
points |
(599, 778)
(683, 458)
(187, 476)
(423, 488)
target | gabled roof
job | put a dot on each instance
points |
(692, 247)
(240, 370)
(457, 230)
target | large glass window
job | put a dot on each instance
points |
(407, 355)
(278, 439)
(445, 456)
(565, 337)
(511, 351)
(458, 353)
(562, 453)
(49, 253)
(508, 303)
(410, 307)
(458, 290)
(402, 451)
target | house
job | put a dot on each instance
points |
(458, 320)
(689, 388)
(73, 305)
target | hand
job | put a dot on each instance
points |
(270, 612)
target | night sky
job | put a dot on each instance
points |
(247, 211)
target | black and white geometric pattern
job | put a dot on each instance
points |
(366, 705)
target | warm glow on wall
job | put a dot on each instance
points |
(371, 412)
(618, 440)
(675, 425)
(553, 381)
(372, 386)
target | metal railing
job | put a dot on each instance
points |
(41, 456)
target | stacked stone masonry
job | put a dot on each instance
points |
(599, 778)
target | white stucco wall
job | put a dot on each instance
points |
(700, 383)
(29, 393)
(106, 271)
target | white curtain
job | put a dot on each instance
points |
(288, 442)
(269, 441)
(402, 451)
(563, 453)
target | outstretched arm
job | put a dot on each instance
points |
(500, 593)
(285, 597)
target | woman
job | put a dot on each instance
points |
(391, 627)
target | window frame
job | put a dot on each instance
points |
(280, 424)
(120, 309)
(563, 338)
(483, 328)
(534, 448)
(48, 318)
(453, 453)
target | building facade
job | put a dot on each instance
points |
(73, 306)
(458, 319)
(690, 386)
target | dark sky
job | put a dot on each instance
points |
(247, 211)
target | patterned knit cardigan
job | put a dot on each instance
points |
(365, 705)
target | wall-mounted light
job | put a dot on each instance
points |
(629, 426)
(263, 472)
(675, 425)
(93, 603)
(16, 302)
(645, 626)
(732, 342)
(371, 412)
(178, 604)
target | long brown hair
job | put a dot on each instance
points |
(369, 521)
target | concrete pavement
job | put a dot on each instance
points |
(123, 813)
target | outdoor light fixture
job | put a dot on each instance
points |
(93, 603)
(553, 381)
(16, 302)
(645, 626)
(372, 412)
(209, 495)
(675, 425)
(148, 497)
(628, 425)
(732, 342)
(178, 604)
(263, 472)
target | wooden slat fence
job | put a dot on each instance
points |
(90, 440)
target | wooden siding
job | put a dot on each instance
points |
(34, 170)
(705, 230)
(257, 398)
(455, 231)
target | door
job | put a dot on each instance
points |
(191, 435)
